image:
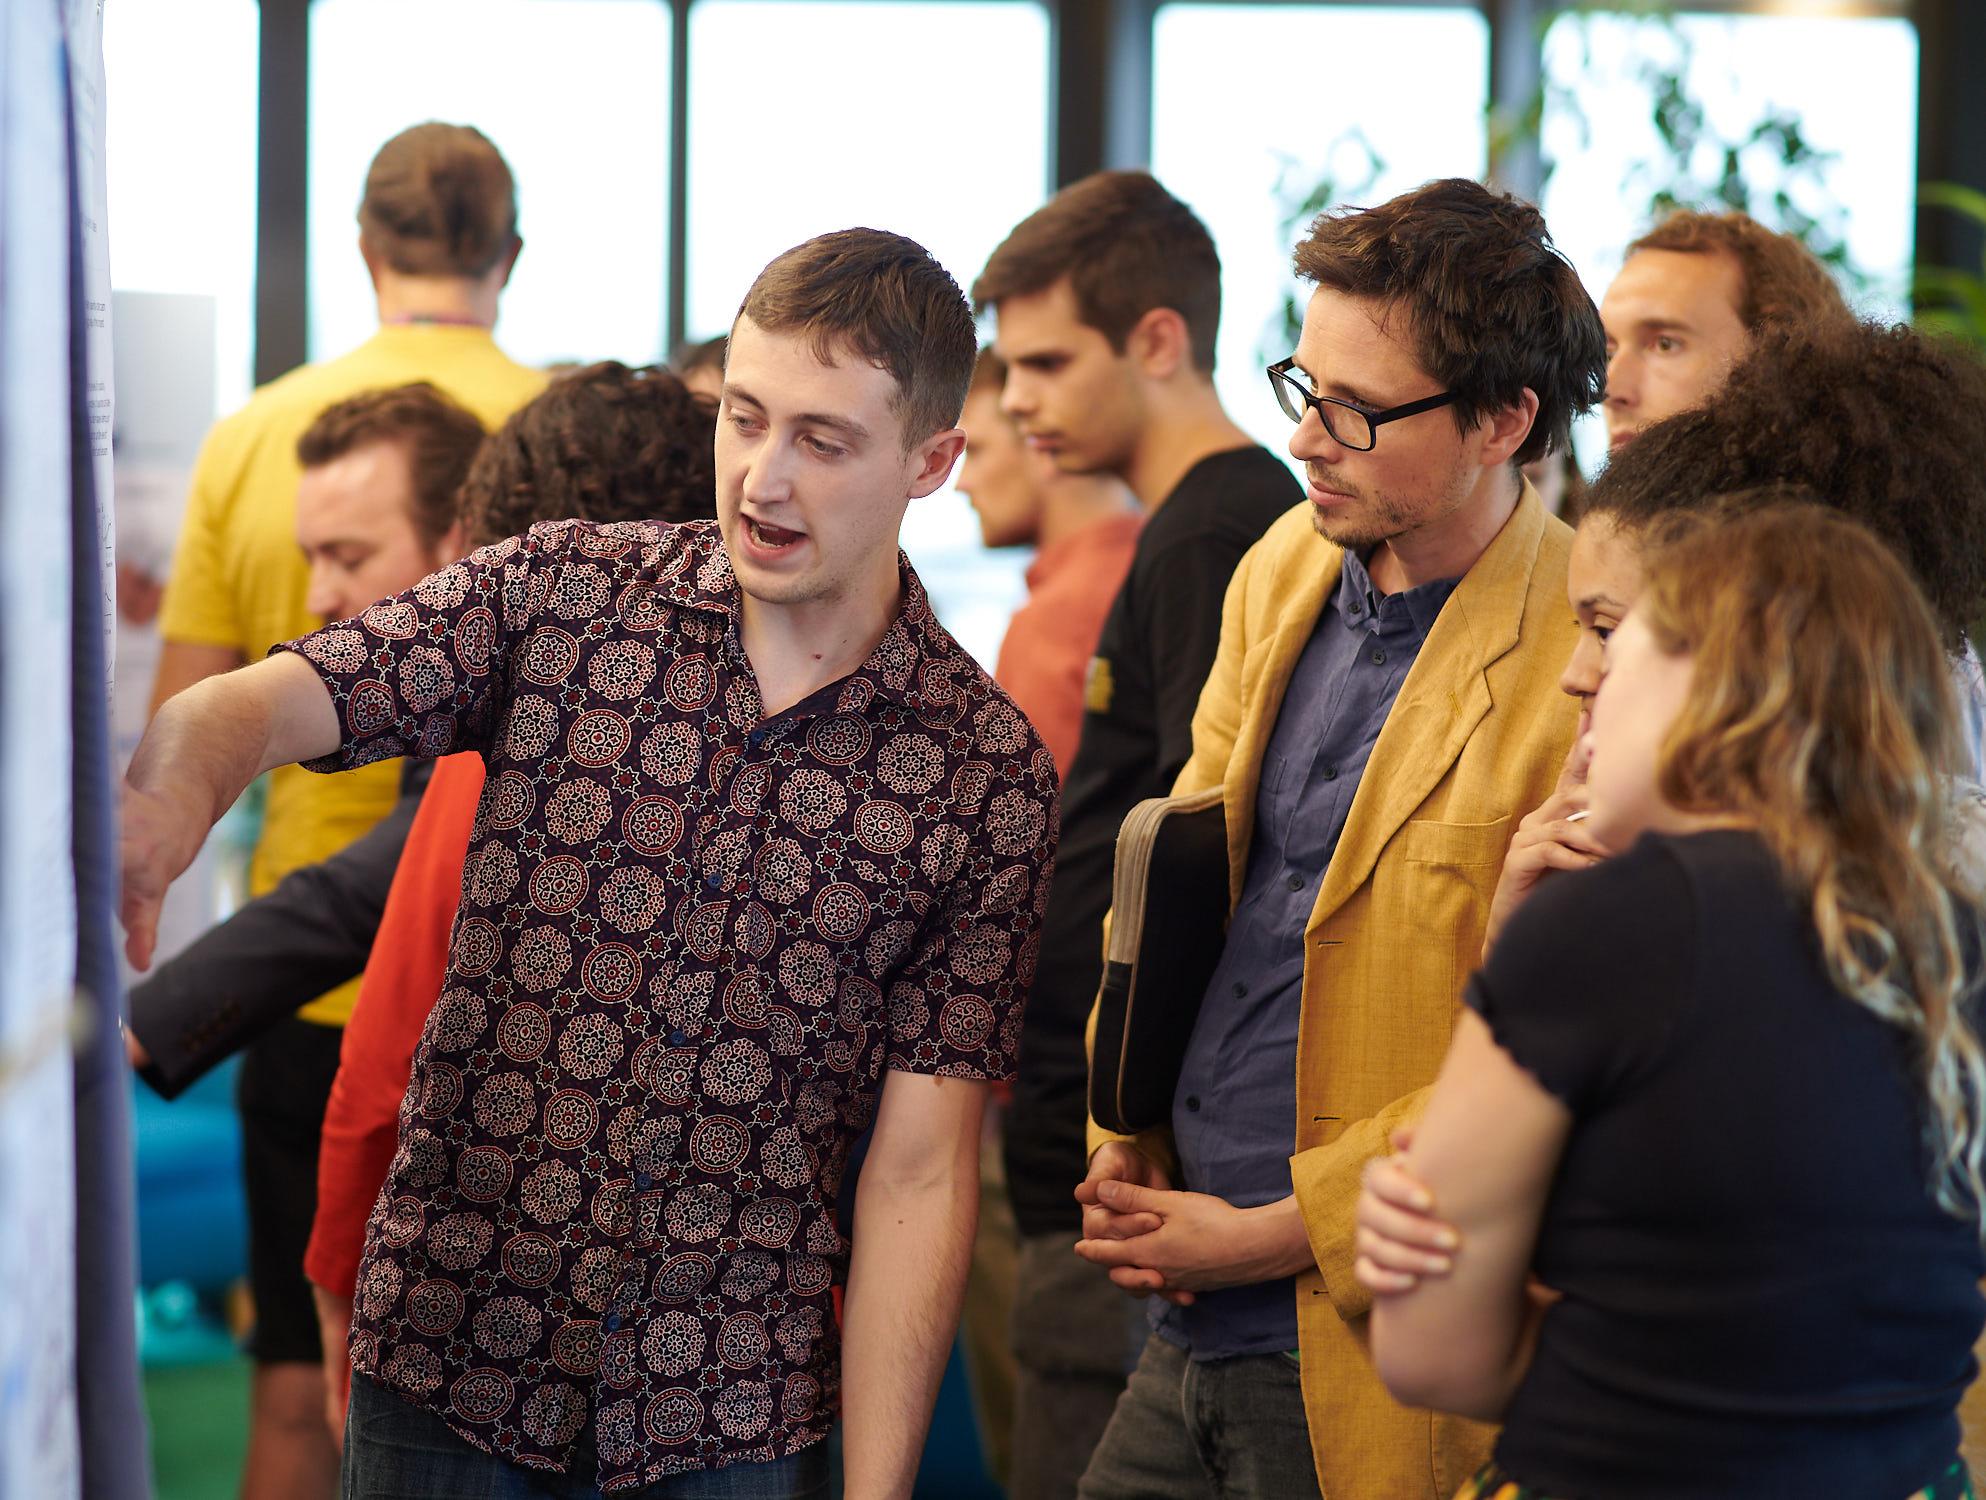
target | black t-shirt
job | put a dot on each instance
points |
(1761, 1296)
(1156, 649)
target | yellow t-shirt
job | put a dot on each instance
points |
(238, 579)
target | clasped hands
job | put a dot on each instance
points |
(1155, 1240)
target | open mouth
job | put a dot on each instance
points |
(770, 537)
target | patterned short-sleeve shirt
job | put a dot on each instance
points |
(690, 941)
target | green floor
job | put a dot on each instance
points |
(199, 1417)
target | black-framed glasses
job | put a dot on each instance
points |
(1350, 426)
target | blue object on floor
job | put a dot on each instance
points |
(192, 1223)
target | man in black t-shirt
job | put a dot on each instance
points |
(1106, 303)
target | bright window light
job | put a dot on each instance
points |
(180, 168)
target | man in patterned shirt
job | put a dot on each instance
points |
(760, 863)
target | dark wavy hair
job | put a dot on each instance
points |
(1492, 307)
(1883, 424)
(602, 443)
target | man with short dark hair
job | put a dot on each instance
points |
(1107, 301)
(1689, 300)
(758, 865)
(1383, 709)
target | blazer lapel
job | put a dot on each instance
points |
(1442, 701)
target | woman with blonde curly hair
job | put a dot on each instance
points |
(1722, 1091)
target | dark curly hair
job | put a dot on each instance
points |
(603, 443)
(1883, 424)
(1492, 306)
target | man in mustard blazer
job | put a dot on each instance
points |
(1383, 709)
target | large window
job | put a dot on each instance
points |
(1255, 108)
(930, 119)
(180, 169)
(575, 93)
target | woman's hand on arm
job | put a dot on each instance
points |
(1486, 1151)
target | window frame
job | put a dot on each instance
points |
(1100, 101)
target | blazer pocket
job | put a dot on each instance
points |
(1426, 842)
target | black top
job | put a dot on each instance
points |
(275, 955)
(1156, 649)
(1761, 1297)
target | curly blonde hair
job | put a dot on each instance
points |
(1821, 712)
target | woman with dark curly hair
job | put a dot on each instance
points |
(603, 443)
(1882, 424)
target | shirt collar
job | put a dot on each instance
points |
(1361, 606)
(916, 664)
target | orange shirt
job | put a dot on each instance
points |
(1051, 638)
(402, 981)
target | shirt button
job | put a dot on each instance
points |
(643, 1180)
(1193, 1103)
(1330, 773)
(1296, 882)
(1378, 657)
(1240, 991)
(713, 882)
(676, 1039)
(613, 1322)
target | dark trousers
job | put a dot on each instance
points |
(1075, 1338)
(1222, 1429)
(395, 1450)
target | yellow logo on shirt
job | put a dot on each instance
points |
(1097, 686)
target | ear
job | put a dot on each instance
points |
(931, 461)
(371, 259)
(1159, 343)
(509, 262)
(1505, 429)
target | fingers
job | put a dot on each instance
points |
(140, 916)
(1142, 1282)
(1397, 1256)
(135, 1051)
(1104, 1224)
(1380, 1281)
(1388, 1180)
(1402, 1139)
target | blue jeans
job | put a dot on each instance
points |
(397, 1451)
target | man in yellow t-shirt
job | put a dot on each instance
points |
(438, 232)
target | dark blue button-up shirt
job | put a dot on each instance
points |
(1234, 1115)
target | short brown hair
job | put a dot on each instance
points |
(1492, 307)
(1127, 246)
(886, 298)
(1780, 281)
(603, 443)
(1884, 424)
(441, 440)
(439, 201)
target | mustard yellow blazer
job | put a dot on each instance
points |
(1475, 740)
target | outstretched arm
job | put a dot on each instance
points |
(916, 1209)
(310, 934)
(205, 745)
